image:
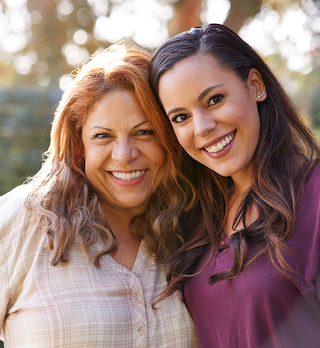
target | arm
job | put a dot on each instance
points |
(4, 285)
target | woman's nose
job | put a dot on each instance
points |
(203, 123)
(125, 152)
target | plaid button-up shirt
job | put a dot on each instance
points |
(75, 304)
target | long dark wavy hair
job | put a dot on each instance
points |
(285, 156)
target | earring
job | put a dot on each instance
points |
(262, 93)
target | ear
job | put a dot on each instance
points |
(256, 84)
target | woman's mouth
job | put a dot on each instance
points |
(221, 144)
(128, 176)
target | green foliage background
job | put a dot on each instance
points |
(27, 109)
(25, 119)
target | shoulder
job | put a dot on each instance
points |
(19, 229)
(20, 239)
(312, 185)
(15, 218)
(15, 196)
(308, 205)
(12, 204)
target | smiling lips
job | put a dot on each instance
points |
(128, 176)
(221, 144)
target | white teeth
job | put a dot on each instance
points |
(128, 176)
(222, 144)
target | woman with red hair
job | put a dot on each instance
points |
(85, 243)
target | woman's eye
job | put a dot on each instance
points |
(101, 136)
(215, 99)
(179, 118)
(146, 132)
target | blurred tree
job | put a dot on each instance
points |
(26, 115)
(241, 10)
(45, 40)
(57, 35)
(186, 15)
(50, 30)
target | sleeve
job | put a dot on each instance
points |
(16, 223)
(308, 226)
(318, 282)
(4, 284)
(313, 251)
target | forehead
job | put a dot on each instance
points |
(197, 65)
(194, 73)
(120, 106)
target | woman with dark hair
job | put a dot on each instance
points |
(84, 245)
(250, 270)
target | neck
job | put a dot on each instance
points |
(120, 220)
(128, 243)
(241, 183)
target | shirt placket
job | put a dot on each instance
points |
(139, 309)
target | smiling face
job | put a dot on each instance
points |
(121, 151)
(213, 113)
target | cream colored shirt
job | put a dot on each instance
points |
(75, 304)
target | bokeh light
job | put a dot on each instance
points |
(290, 35)
(217, 11)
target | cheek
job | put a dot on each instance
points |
(92, 161)
(153, 152)
(257, 134)
(184, 136)
(86, 152)
(253, 124)
(158, 156)
(251, 131)
(88, 167)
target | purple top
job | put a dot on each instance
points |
(262, 308)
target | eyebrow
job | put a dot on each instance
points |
(201, 96)
(207, 90)
(140, 124)
(174, 110)
(110, 130)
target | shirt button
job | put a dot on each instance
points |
(137, 299)
(140, 330)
